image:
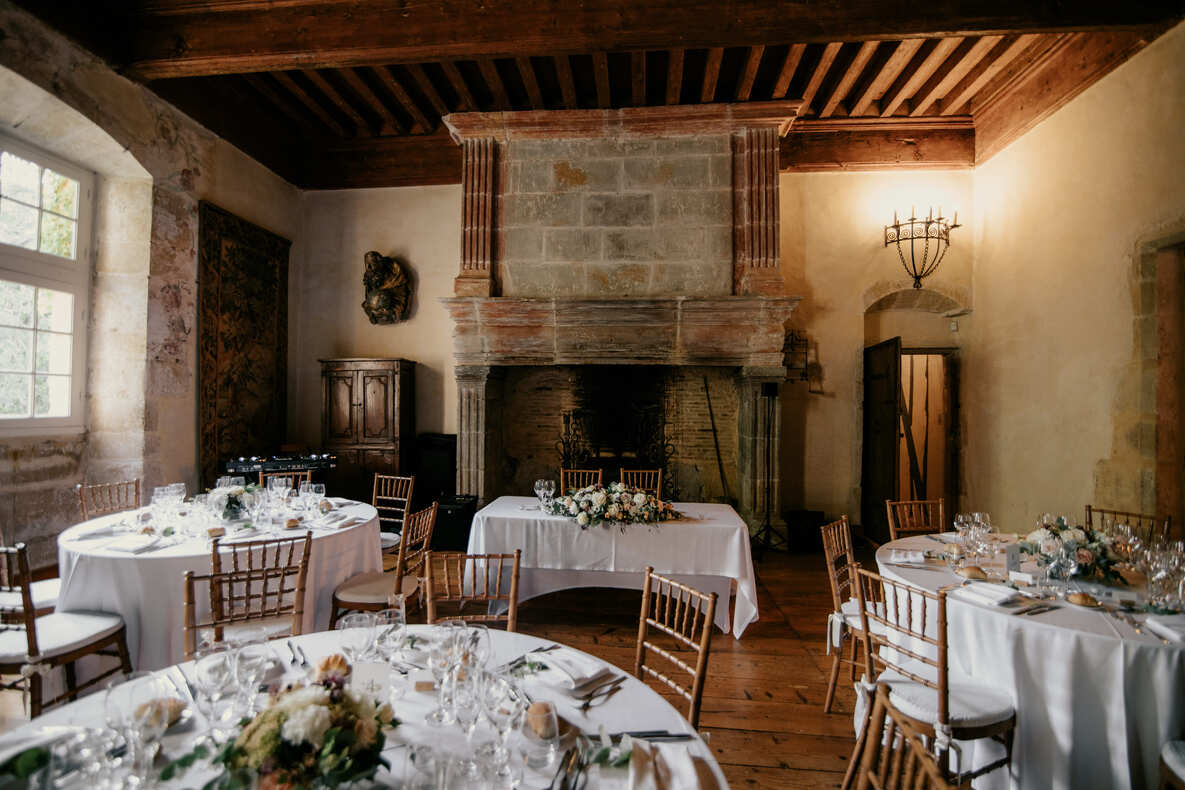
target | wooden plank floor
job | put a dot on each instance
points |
(763, 701)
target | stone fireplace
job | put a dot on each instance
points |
(642, 237)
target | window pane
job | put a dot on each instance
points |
(51, 396)
(14, 395)
(53, 353)
(59, 194)
(16, 350)
(19, 179)
(18, 224)
(16, 304)
(55, 310)
(57, 235)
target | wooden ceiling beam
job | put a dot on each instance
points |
(749, 72)
(863, 55)
(808, 148)
(377, 105)
(387, 77)
(563, 70)
(707, 93)
(489, 72)
(928, 59)
(339, 101)
(674, 76)
(638, 78)
(957, 66)
(457, 80)
(992, 64)
(789, 66)
(601, 76)
(821, 68)
(1040, 51)
(886, 75)
(289, 84)
(291, 110)
(527, 72)
(427, 88)
(190, 39)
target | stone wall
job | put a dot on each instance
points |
(616, 217)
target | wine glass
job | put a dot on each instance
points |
(216, 687)
(251, 664)
(465, 685)
(443, 655)
(539, 488)
(477, 650)
(503, 705)
(137, 705)
(548, 493)
(316, 494)
(358, 635)
(392, 630)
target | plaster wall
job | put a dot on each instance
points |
(420, 226)
(1058, 393)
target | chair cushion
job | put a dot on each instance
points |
(1173, 755)
(270, 629)
(971, 704)
(372, 588)
(44, 594)
(58, 633)
(389, 540)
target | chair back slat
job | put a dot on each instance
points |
(578, 478)
(649, 480)
(15, 578)
(414, 542)
(684, 616)
(98, 499)
(298, 476)
(392, 499)
(837, 549)
(460, 579)
(915, 517)
(1149, 527)
(897, 759)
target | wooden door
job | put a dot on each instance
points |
(340, 420)
(378, 407)
(878, 477)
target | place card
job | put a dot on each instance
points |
(1012, 557)
(1020, 577)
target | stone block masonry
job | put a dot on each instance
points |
(616, 218)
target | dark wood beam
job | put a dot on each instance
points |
(749, 72)
(378, 106)
(527, 72)
(292, 110)
(789, 66)
(707, 94)
(190, 39)
(417, 160)
(427, 88)
(601, 75)
(992, 64)
(361, 125)
(457, 80)
(489, 72)
(929, 58)
(289, 84)
(833, 146)
(821, 68)
(886, 75)
(946, 76)
(423, 125)
(563, 70)
(863, 55)
(638, 78)
(674, 75)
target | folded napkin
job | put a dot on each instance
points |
(665, 766)
(573, 668)
(986, 594)
(1167, 626)
(96, 532)
(133, 544)
(901, 555)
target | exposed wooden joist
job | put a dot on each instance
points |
(457, 80)
(563, 70)
(870, 146)
(233, 37)
(362, 126)
(929, 58)
(289, 84)
(601, 76)
(749, 72)
(638, 78)
(992, 64)
(789, 66)
(1045, 47)
(489, 72)
(712, 74)
(527, 72)
(404, 98)
(863, 55)
(427, 88)
(821, 68)
(886, 75)
(946, 76)
(416, 160)
(674, 75)
(391, 124)
(291, 109)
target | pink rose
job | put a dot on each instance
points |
(1085, 556)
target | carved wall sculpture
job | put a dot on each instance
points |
(388, 290)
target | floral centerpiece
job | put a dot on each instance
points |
(232, 502)
(322, 735)
(1092, 552)
(616, 504)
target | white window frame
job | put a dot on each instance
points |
(44, 270)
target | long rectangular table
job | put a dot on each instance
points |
(708, 549)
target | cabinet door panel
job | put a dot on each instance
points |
(339, 419)
(377, 407)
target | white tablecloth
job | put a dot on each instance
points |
(708, 550)
(148, 589)
(1095, 699)
(635, 707)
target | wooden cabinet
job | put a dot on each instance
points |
(367, 421)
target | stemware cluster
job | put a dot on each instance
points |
(976, 536)
(545, 490)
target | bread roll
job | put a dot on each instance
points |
(972, 572)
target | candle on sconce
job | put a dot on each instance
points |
(895, 222)
(913, 212)
(956, 220)
(940, 212)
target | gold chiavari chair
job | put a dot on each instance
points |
(98, 499)
(1148, 527)
(578, 478)
(374, 591)
(457, 579)
(905, 647)
(684, 616)
(30, 646)
(297, 476)
(844, 620)
(915, 517)
(897, 760)
(649, 480)
(392, 499)
(251, 584)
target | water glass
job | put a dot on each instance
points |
(358, 635)
(465, 684)
(252, 661)
(443, 656)
(134, 705)
(541, 736)
(503, 705)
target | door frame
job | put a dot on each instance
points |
(950, 405)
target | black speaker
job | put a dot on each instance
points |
(436, 468)
(454, 517)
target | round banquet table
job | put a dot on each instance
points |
(1095, 699)
(636, 707)
(148, 589)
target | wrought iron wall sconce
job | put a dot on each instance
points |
(796, 357)
(921, 242)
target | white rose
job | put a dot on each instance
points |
(599, 498)
(612, 510)
(1038, 536)
(307, 725)
(573, 508)
(639, 499)
(582, 519)
(1051, 546)
(1074, 535)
